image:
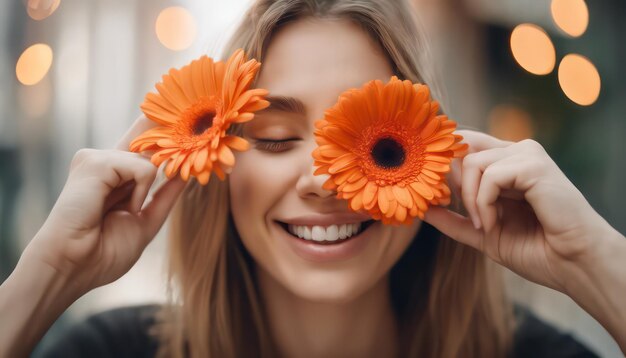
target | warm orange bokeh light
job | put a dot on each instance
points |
(34, 64)
(532, 49)
(176, 28)
(40, 9)
(571, 16)
(579, 79)
(510, 122)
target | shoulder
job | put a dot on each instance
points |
(536, 338)
(120, 332)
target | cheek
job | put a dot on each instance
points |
(399, 239)
(257, 183)
(258, 180)
(388, 246)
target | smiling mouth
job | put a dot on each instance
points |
(326, 235)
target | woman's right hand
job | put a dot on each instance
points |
(98, 228)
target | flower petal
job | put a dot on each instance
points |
(419, 201)
(158, 114)
(438, 159)
(421, 117)
(342, 163)
(163, 155)
(431, 174)
(159, 101)
(219, 172)
(236, 143)
(167, 143)
(369, 195)
(402, 195)
(203, 177)
(440, 144)
(225, 155)
(358, 185)
(437, 167)
(430, 128)
(201, 159)
(422, 189)
(356, 203)
(400, 214)
(185, 170)
(255, 106)
(243, 117)
(393, 206)
(383, 200)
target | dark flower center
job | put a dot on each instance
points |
(388, 153)
(203, 123)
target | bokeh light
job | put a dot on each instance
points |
(579, 79)
(533, 49)
(176, 28)
(510, 122)
(34, 64)
(571, 16)
(40, 9)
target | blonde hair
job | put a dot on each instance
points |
(448, 298)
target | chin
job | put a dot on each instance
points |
(329, 287)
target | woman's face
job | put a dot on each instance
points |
(307, 65)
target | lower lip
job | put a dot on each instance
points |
(311, 251)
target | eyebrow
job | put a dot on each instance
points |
(285, 104)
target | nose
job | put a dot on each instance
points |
(310, 185)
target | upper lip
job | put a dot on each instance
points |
(327, 219)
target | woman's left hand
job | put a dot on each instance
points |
(527, 215)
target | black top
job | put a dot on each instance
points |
(122, 332)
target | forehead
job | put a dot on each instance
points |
(317, 59)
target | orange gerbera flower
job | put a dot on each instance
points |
(387, 151)
(194, 107)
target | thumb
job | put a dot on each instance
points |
(163, 200)
(454, 225)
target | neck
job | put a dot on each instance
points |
(363, 327)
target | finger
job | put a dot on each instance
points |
(479, 141)
(455, 226)
(454, 176)
(496, 178)
(131, 166)
(143, 188)
(119, 196)
(473, 166)
(163, 199)
(141, 124)
(115, 168)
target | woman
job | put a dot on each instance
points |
(247, 287)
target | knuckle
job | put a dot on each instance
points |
(489, 173)
(532, 145)
(141, 167)
(470, 160)
(81, 156)
(147, 170)
(97, 160)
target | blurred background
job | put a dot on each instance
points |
(73, 74)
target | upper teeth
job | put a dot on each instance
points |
(321, 233)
